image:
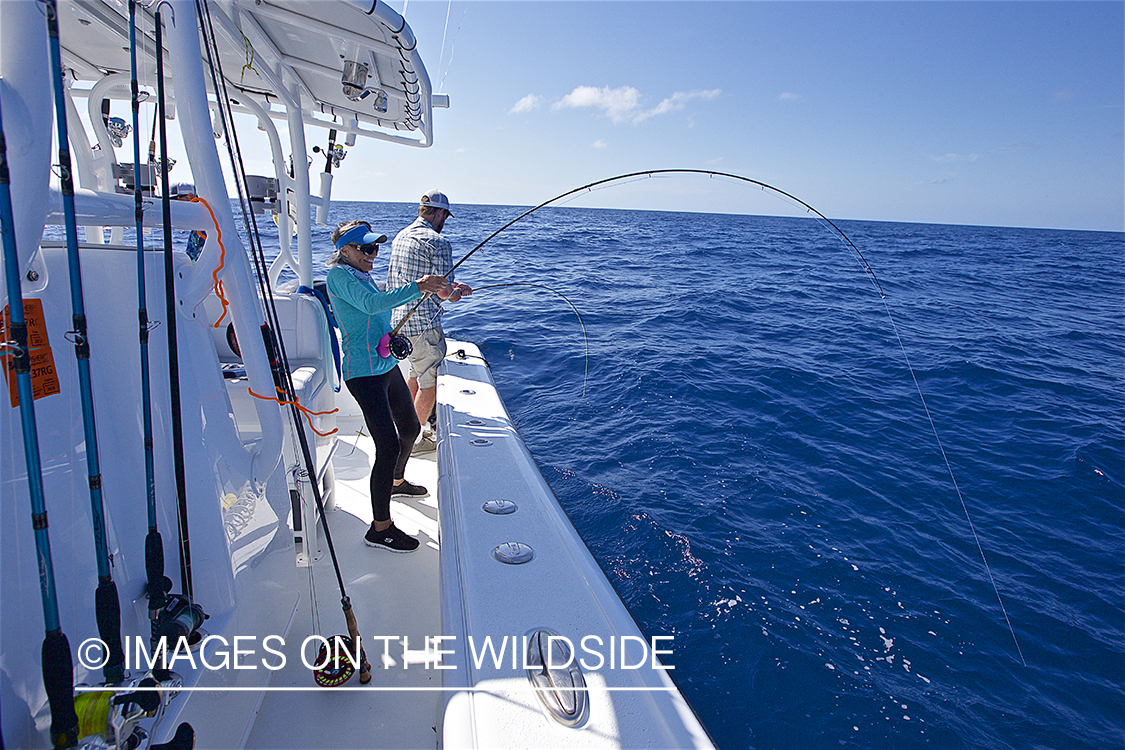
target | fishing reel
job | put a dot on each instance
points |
(335, 153)
(118, 130)
(338, 658)
(400, 347)
(107, 719)
(180, 619)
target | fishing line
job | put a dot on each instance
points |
(444, 32)
(452, 46)
(824, 220)
(585, 337)
(956, 487)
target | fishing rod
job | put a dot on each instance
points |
(338, 660)
(106, 604)
(55, 658)
(630, 176)
(170, 314)
(154, 543)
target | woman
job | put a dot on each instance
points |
(372, 374)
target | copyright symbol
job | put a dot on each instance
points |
(93, 653)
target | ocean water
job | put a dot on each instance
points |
(746, 453)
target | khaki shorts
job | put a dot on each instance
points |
(428, 352)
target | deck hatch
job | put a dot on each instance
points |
(500, 507)
(513, 553)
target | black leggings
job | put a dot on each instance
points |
(389, 413)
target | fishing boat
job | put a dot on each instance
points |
(184, 483)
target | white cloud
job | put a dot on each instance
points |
(677, 101)
(617, 104)
(600, 144)
(528, 103)
(788, 96)
(623, 104)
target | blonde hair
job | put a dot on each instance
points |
(337, 233)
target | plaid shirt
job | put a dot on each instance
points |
(416, 251)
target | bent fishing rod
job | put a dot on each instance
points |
(706, 172)
(56, 661)
(631, 176)
(106, 603)
(400, 343)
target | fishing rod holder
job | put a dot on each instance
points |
(123, 173)
(263, 193)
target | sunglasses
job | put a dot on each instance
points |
(369, 249)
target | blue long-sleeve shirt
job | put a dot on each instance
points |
(364, 316)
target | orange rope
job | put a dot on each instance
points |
(303, 409)
(222, 260)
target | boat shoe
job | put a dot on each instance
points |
(391, 538)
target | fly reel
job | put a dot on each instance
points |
(338, 657)
(400, 347)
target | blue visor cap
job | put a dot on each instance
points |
(360, 235)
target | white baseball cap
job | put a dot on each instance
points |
(435, 199)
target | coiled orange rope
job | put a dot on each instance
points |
(303, 409)
(222, 259)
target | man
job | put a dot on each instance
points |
(418, 250)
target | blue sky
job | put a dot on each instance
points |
(993, 113)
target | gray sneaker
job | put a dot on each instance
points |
(424, 445)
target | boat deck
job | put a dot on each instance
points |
(394, 597)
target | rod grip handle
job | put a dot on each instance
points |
(353, 633)
(58, 679)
